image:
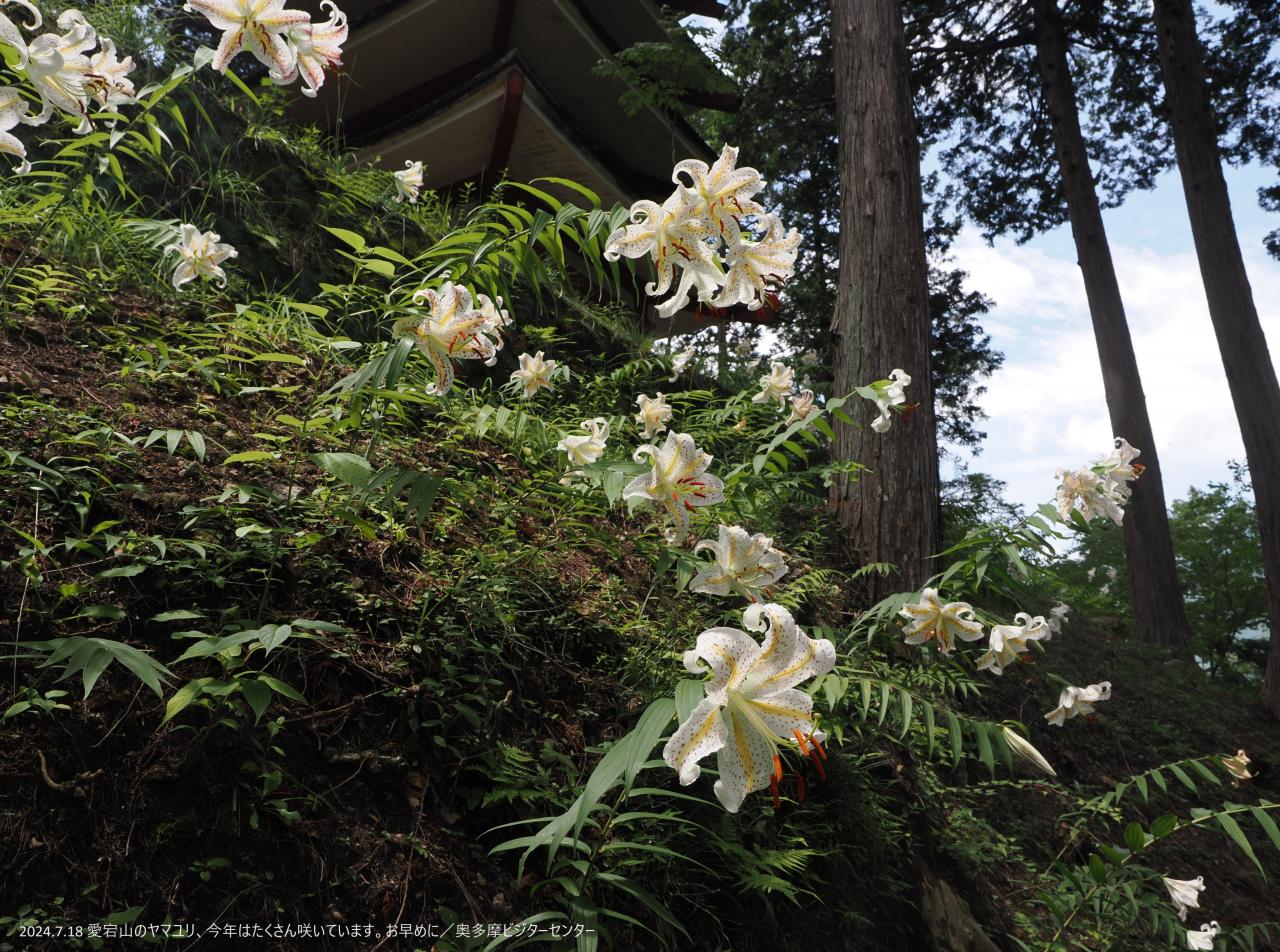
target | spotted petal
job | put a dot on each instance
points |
(699, 736)
(745, 762)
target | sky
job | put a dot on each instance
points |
(1045, 405)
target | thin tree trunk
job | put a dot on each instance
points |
(881, 321)
(1251, 375)
(1158, 611)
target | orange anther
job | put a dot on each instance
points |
(817, 763)
(817, 747)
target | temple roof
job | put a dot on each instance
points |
(473, 86)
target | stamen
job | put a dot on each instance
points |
(777, 767)
(804, 748)
(802, 789)
(817, 763)
(773, 788)
(817, 747)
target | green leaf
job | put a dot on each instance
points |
(1205, 772)
(1233, 830)
(1183, 778)
(122, 571)
(688, 694)
(957, 738)
(1134, 837)
(273, 636)
(906, 713)
(281, 688)
(248, 456)
(258, 695)
(350, 468)
(183, 698)
(348, 237)
(178, 614)
(1097, 869)
(1268, 825)
(985, 753)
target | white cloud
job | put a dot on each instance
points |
(1046, 404)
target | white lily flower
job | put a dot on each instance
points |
(408, 182)
(1009, 641)
(1057, 618)
(318, 46)
(11, 36)
(58, 67)
(678, 481)
(697, 278)
(802, 407)
(201, 256)
(1120, 465)
(889, 395)
(453, 330)
(654, 414)
(725, 191)
(493, 312)
(107, 79)
(1238, 766)
(1101, 489)
(679, 361)
(584, 450)
(776, 384)
(1202, 938)
(672, 234)
(1024, 749)
(1074, 701)
(929, 618)
(534, 373)
(12, 108)
(752, 706)
(744, 563)
(259, 26)
(1185, 894)
(753, 265)
(1085, 490)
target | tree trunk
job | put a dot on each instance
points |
(1158, 611)
(1251, 375)
(881, 321)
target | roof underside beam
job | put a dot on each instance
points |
(706, 8)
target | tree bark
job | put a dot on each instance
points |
(1251, 375)
(1158, 611)
(890, 512)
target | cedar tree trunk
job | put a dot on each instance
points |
(1158, 611)
(890, 512)
(1251, 375)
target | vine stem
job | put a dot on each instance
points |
(22, 603)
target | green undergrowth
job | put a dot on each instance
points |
(283, 662)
